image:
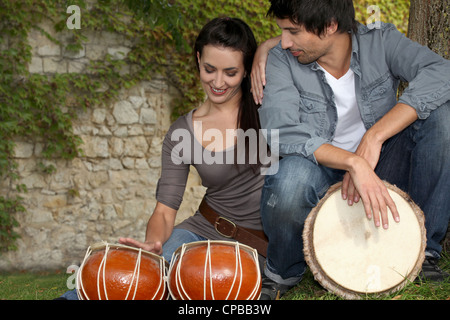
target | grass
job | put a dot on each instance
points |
(309, 289)
(49, 285)
(32, 286)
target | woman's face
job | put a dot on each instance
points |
(221, 73)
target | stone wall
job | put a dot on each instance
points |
(110, 191)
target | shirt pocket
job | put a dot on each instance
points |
(381, 95)
(313, 112)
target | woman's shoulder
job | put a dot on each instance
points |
(183, 122)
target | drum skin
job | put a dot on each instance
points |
(120, 266)
(351, 257)
(189, 281)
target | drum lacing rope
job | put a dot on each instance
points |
(258, 282)
(137, 272)
(179, 283)
(258, 276)
(137, 268)
(238, 263)
(79, 279)
(100, 267)
(208, 258)
(162, 279)
(208, 262)
(177, 272)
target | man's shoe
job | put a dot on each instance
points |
(272, 290)
(431, 271)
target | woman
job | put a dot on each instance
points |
(224, 53)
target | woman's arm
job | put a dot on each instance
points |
(159, 229)
(258, 75)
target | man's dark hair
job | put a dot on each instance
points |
(316, 15)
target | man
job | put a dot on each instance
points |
(331, 91)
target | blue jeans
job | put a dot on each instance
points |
(177, 239)
(417, 160)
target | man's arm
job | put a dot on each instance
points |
(374, 194)
(360, 179)
(396, 120)
(427, 73)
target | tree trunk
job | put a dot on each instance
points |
(429, 24)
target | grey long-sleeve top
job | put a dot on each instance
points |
(233, 191)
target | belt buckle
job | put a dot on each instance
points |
(226, 220)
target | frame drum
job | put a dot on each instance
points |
(351, 257)
(120, 272)
(214, 270)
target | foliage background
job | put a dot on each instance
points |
(39, 106)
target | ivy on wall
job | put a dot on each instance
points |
(39, 107)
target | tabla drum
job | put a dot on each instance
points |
(120, 272)
(214, 270)
(350, 257)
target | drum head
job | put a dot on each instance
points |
(349, 256)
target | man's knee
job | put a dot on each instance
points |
(294, 185)
(437, 132)
(439, 120)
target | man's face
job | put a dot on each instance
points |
(306, 46)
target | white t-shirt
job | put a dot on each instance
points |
(350, 128)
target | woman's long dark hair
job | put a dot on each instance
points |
(236, 34)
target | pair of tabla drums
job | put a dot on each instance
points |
(203, 270)
(350, 257)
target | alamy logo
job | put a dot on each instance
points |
(190, 150)
(374, 21)
(74, 21)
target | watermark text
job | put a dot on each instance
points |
(214, 148)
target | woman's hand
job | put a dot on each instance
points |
(258, 76)
(154, 247)
(159, 229)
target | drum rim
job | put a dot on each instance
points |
(102, 245)
(330, 284)
(224, 242)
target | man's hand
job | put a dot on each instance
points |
(374, 194)
(369, 149)
(360, 181)
(356, 183)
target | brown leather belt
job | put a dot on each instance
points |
(227, 228)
